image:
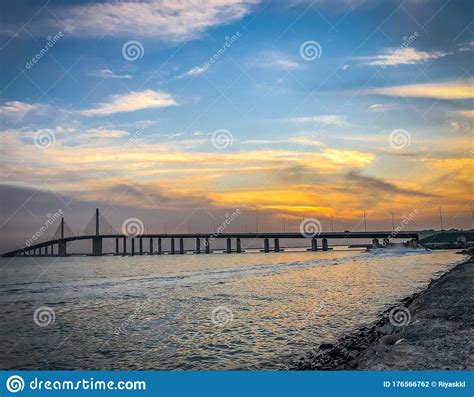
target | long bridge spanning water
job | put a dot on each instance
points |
(152, 243)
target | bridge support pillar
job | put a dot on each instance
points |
(386, 241)
(116, 246)
(314, 244)
(239, 245)
(181, 245)
(52, 250)
(97, 246)
(266, 245)
(277, 245)
(172, 246)
(125, 245)
(229, 245)
(151, 246)
(133, 246)
(198, 245)
(375, 243)
(62, 248)
(208, 247)
(141, 245)
(325, 244)
(159, 246)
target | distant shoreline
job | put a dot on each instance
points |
(430, 329)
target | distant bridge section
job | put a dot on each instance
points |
(126, 244)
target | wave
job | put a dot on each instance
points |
(139, 286)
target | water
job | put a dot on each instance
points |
(220, 311)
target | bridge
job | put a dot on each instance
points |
(134, 243)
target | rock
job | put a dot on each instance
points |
(326, 346)
(386, 329)
(389, 339)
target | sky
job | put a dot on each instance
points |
(185, 111)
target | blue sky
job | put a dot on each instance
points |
(381, 69)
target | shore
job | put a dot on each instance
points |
(432, 329)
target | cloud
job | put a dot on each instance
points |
(286, 64)
(299, 140)
(377, 184)
(461, 89)
(19, 109)
(467, 46)
(70, 136)
(402, 56)
(131, 102)
(380, 107)
(194, 71)
(466, 113)
(263, 141)
(158, 19)
(276, 60)
(108, 74)
(104, 133)
(332, 119)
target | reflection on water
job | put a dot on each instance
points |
(221, 311)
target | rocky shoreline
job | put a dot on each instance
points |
(431, 329)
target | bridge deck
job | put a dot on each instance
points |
(251, 235)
